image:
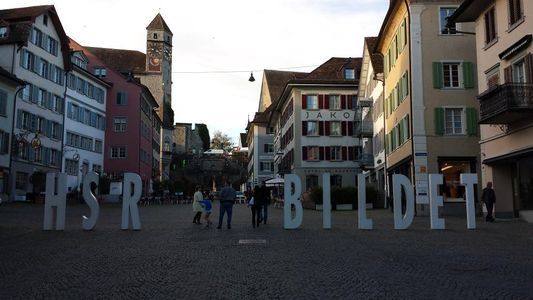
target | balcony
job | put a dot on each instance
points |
(364, 129)
(506, 103)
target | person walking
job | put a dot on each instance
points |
(208, 204)
(253, 203)
(197, 205)
(227, 199)
(264, 201)
(489, 198)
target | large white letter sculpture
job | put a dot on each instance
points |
(90, 199)
(399, 181)
(435, 201)
(469, 180)
(291, 198)
(326, 201)
(55, 199)
(362, 221)
(129, 201)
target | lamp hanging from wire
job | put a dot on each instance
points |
(251, 79)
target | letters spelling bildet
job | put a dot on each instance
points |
(292, 210)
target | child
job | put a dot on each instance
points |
(207, 204)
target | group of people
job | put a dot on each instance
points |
(258, 200)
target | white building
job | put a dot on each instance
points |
(84, 121)
(34, 48)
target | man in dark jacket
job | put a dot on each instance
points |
(227, 199)
(489, 198)
(264, 201)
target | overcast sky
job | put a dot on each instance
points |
(228, 35)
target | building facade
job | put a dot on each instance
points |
(10, 86)
(430, 108)
(371, 94)
(503, 32)
(34, 48)
(85, 121)
(316, 125)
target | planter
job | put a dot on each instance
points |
(344, 207)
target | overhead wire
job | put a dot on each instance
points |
(239, 71)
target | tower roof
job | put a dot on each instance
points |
(158, 23)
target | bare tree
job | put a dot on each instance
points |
(221, 141)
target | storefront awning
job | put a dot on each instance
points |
(509, 156)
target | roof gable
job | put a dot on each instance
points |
(333, 69)
(120, 60)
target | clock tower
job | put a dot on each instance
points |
(158, 79)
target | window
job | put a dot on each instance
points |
(266, 166)
(3, 32)
(86, 143)
(268, 148)
(445, 12)
(490, 26)
(4, 142)
(313, 153)
(453, 121)
(519, 71)
(349, 73)
(336, 180)
(54, 157)
(312, 127)
(120, 124)
(56, 131)
(52, 46)
(311, 182)
(335, 153)
(155, 35)
(27, 60)
(71, 167)
(21, 181)
(515, 11)
(270, 130)
(334, 102)
(493, 78)
(45, 20)
(100, 72)
(452, 190)
(335, 128)
(450, 75)
(97, 146)
(122, 98)
(36, 37)
(3, 103)
(312, 102)
(119, 152)
(37, 154)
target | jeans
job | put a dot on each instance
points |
(225, 207)
(256, 210)
(490, 207)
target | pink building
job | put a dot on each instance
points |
(129, 110)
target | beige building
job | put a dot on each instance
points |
(503, 31)
(316, 125)
(430, 106)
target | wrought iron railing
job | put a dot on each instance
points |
(505, 98)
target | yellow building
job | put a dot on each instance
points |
(505, 74)
(430, 107)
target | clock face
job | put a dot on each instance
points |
(154, 50)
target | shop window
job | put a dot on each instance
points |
(452, 190)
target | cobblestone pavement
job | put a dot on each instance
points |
(171, 258)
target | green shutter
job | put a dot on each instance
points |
(471, 121)
(439, 120)
(437, 75)
(386, 66)
(468, 75)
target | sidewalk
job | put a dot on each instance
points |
(172, 258)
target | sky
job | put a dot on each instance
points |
(230, 35)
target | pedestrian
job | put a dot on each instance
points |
(227, 199)
(197, 205)
(208, 204)
(264, 201)
(254, 206)
(489, 198)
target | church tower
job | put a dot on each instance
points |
(159, 67)
(158, 79)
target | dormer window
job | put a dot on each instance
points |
(100, 72)
(3, 32)
(349, 73)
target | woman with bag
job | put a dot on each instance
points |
(197, 205)
(252, 203)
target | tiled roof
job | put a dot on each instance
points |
(24, 13)
(123, 61)
(376, 59)
(277, 80)
(333, 69)
(158, 23)
(261, 117)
